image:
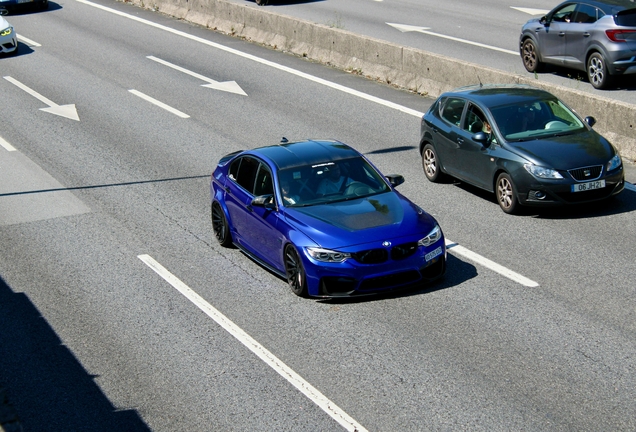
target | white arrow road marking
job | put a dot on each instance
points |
(474, 257)
(28, 41)
(270, 359)
(67, 111)
(159, 104)
(409, 28)
(531, 11)
(6, 145)
(227, 86)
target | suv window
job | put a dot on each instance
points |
(243, 171)
(564, 14)
(585, 14)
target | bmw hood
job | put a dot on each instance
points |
(566, 152)
(375, 218)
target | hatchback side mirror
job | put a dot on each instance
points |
(395, 179)
(591, 121)
(482, 138)
(544, 20)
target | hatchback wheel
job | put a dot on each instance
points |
(220, 226)
(530, 56)
(295, 272)
(506, 194)
(430, 163)
(597, 71)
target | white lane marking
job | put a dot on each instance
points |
(159, 103)
(6, 145)
(466, 253)
(630, 186)
(531, 11)
(68, 111)
(262, 61)
(28, 41)
(227, 86)
(270, 359)
(409, 28)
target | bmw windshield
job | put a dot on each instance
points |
(329, 181)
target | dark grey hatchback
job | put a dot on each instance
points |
(520, 142)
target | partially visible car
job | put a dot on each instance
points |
(360, 239)
(597, 37)
(21, 5)
(520, 142)
(8, 38)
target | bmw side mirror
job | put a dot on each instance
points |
(266, 201)
(591, 121)
(395, 179)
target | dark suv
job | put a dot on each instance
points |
(598, 37)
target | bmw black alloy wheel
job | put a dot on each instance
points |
(220, 226)
(295, 272)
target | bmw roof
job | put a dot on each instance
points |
(302, 153)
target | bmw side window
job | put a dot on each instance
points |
(453, 109)
(247, 173)
(264, 184)
(585, 14)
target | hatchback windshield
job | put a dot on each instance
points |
(330, 181)
(535, 120)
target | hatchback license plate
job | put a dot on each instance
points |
(582, 187)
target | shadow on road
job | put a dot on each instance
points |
(45, 385)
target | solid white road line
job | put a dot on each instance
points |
(28, 41)
(159, 104)
(476, 258)
(270, 359)
(6, 145)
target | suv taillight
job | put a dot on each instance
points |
(617, 35)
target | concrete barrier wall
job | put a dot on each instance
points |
(409, 68)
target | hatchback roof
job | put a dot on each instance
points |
(303, 153)
(492, 95)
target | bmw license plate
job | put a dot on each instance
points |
(437, 252)
(582, 187)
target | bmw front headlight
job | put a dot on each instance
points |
(614, 163)
(6, 31)
(431, 237)
(542, 172)
(326, 255)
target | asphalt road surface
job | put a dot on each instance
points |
(118, 310)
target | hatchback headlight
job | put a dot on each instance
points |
(326, 255)
(614, 163)
(431, 237)
(542, 172)
(6, 31)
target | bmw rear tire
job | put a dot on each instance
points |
(220, 226)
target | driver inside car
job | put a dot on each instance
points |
(334, 181)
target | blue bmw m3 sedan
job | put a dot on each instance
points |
(320, 215)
